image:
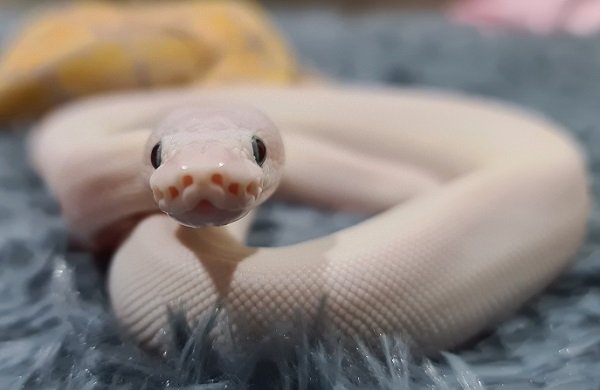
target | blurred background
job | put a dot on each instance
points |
(56, 329)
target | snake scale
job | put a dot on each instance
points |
(476, 205)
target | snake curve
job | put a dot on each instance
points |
(477, 207)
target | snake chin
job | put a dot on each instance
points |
(205, 213)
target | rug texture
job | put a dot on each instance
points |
(56, 328)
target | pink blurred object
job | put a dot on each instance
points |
(580, 17)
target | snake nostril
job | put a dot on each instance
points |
(234, 188)
(187, 181)
(173, 192)
(217, 179)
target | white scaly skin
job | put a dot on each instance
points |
(479, 207)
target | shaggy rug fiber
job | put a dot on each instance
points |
(56, 328)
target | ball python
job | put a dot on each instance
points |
(475, 205)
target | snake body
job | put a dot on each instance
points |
(476, 206)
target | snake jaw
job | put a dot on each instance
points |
(205, 213)
(202, 199)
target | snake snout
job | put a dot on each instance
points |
(184, 191)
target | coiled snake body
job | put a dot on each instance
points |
(478, 205)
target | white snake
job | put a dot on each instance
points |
(479, 206)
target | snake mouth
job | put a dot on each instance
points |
(205, 199)
(205, 213)
(205, 206)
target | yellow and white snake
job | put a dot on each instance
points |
(476, 205)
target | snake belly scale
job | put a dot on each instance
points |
(477, 206)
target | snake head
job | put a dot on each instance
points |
(212, 165)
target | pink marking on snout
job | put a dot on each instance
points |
(217, 178)
(252, 189)
(187, 181)
(234, 188)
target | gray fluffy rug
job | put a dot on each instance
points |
(56, 330)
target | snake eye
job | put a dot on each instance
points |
(155, 156)
(259, 150)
